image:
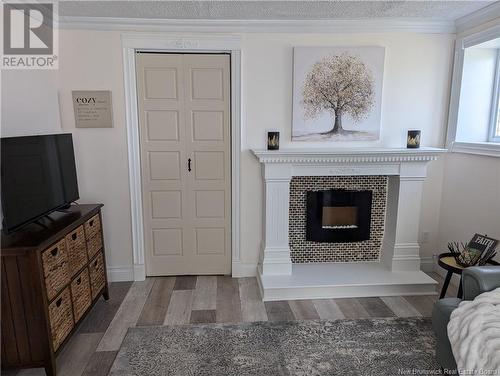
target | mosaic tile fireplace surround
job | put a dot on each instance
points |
(305, 251)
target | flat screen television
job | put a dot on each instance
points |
(38, 176)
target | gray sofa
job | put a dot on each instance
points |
(475, 281)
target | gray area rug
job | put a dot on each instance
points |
(342, 347)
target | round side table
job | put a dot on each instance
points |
(448, 262)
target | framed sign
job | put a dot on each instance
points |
(93, 109)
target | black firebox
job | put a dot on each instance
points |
(338, 215)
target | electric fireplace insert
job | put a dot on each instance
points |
(338, 216)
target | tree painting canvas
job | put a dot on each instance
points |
(337, 93)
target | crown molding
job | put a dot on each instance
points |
(259, 26)
(314, 156)
(181, 41)
(478, 17)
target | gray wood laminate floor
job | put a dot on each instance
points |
(204, 299)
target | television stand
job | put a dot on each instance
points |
(41, 224)
(49, 218)
(64, 208)
(52, 275)
(37, 222)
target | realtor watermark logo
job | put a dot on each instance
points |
(29, 36)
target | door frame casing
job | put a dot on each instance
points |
(133, 42)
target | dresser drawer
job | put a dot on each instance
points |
(94, 244)
(61, 318)
(81, 295)
(92, 227)
(55, 268)
(97, 274)
(77, 250)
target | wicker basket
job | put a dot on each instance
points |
(94, 245)
(55, 268)
(76, 247)
(81, 294)
(97, 274)
(61, 318)
(92, 227)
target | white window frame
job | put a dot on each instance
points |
(495, 105)
(487, 148)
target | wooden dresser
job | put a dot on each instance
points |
(52, 274)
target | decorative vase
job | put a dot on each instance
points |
(273, 140)
(413, 139)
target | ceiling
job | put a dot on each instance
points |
(272, 10)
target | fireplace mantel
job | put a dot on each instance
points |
(368, 155)
(406, 169)
(342, 162)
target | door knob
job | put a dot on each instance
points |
(189, 164)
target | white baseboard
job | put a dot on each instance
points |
(120, 273)
(242, 269)
(139, 271)
(427, 264)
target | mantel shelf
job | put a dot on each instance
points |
(347, 155)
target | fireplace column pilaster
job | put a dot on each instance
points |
(404, 253)
(275, 257)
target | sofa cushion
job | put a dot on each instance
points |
(440, 317)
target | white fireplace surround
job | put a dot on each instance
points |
(406, 169)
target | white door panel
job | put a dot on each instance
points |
(184, 114)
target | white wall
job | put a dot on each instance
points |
(471, 198)
(93, 61)
(29, 103)
(415, 95)
(415, 87)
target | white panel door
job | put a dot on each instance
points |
(184, 119)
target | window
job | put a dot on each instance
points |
(495, 105)
(474, 117)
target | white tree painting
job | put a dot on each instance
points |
(337, 93)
